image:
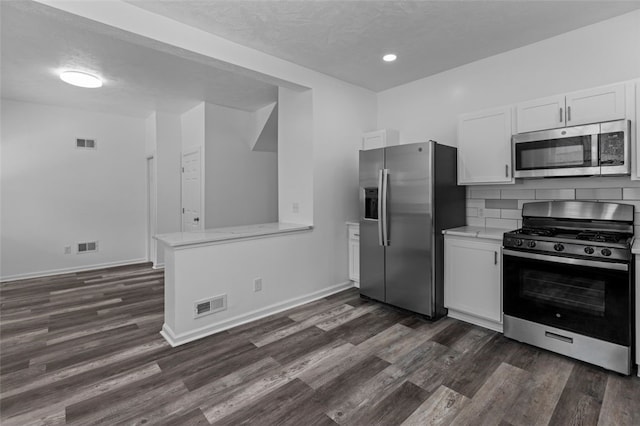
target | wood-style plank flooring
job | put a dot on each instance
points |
(85, 349)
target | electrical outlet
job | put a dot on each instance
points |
(257, 284)
(295, 207)
(480, 213)
(67, 249)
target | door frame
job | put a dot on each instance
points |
(152, 211)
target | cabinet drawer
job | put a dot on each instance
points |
(354, 233)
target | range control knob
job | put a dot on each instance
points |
(606, 252)
(588, 250)
(531, 244)
(518, 242)
(558, 247)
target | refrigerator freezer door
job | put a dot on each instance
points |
(371, 251)
(409, 252)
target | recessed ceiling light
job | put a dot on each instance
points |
(81, 79)
(389, 57)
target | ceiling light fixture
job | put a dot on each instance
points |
(81, 79)
(389, 57)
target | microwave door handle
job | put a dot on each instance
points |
(595, 151)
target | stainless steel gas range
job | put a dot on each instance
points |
(568, 281)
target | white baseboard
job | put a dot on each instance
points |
(158, 265)
(491, 325)
(180, 339)
(71, 270)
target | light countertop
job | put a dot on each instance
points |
(477, 232)
(352, 223)
(214, 235)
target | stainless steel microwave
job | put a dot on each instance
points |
(593, 149)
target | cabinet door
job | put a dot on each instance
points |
(472, 278)
(484, 147)
(595, 105)
(373, 140)
(635, 147)
(354, 260)
(540, 114)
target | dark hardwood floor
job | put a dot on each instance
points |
(85, 349)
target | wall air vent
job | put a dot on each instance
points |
(86, 143)
(88, 247)
(209, 306)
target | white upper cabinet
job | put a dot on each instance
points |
(484, 147)
(540, 114)
(594, 105)
(586, 106)
(380, 139)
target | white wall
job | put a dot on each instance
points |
(55, 195)
(301, 264)
(606, 52)
(295, 156)
(241, 185)
(192, 129)
(168, 167)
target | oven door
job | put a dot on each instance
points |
(587, 297)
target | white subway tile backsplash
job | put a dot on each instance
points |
(511, 214)
(631, 193)
(555, 194)
(518, 194)
(475, 221)
(472, 211)
(501, 204)
(485, 193)
(475, 203)
(501, 223)
(523, 202)
(599, 194)
(491, 212)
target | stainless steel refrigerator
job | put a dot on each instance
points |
(408, 195)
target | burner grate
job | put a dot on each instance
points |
(543, 232)
(602, 237)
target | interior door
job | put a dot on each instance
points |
(409, 252)
(191, 191)
(371, 250)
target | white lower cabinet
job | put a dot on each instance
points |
(473, 280)
(637, 259)
(354, 253)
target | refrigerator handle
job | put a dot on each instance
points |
(385, 222)
(380, 211)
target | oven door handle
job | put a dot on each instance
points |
(567, 260)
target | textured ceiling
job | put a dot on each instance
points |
(38, 41)
(346, 39)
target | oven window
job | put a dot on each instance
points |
(554, 153)
(566, 292)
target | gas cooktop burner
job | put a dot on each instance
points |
(543, 232)
(603, 237)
